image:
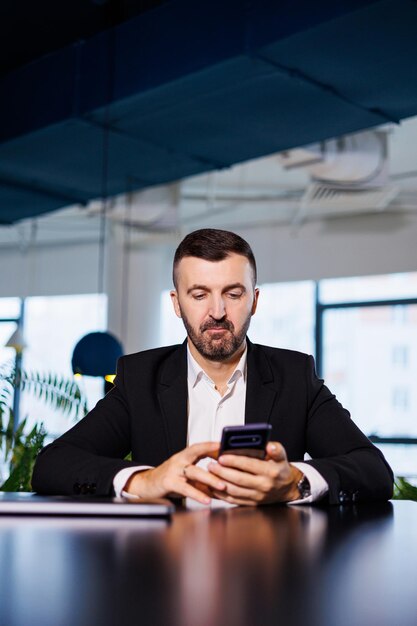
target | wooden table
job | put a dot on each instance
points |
(339, 566)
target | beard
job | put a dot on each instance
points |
(217, 346)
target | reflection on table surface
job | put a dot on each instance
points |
(284, 565)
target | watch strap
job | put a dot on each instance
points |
(304, 487)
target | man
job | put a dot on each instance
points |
(169, 405)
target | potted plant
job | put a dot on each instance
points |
(19, 445)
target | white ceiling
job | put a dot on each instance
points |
(252, 194)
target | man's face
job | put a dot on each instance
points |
(215, 301)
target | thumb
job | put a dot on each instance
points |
(275, 452)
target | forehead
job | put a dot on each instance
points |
(233, 269)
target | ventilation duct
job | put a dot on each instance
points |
(332, 201)
(349, 174)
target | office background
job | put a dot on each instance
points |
(210, 104)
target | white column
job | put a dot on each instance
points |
(135, 281)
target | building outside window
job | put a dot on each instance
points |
(400, 356)
(369, 358)
(400, 399)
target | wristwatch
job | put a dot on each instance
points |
(304, 487)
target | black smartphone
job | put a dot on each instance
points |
(247, 440)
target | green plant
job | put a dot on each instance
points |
(18, 448)
(403, 490)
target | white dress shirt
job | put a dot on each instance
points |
(209, 412)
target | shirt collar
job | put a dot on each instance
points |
(196, 372)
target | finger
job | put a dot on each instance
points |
(243, 493)
(204, 488)
(199, 451)
(258, 486)
(244, 463)
(220, 495)
(197, 474)
(235, 476)
(187, 490)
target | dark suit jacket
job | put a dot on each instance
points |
(146, 414)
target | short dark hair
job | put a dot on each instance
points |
(213, 244)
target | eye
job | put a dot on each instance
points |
(234, 295)
(199, 296)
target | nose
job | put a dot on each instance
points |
(217, 308)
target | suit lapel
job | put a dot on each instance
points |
(172, 394)
(260, 387)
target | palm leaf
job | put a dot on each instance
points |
(18, 448)
(403, 490)
(20, 475)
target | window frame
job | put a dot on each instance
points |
(19, 321)
(320, 310)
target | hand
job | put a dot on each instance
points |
(250, 481)
(179, 476)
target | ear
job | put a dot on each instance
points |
(255, 301)
(175, 303)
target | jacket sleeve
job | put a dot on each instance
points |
(353, 467)
(86, 458)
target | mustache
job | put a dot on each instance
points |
(226, 324)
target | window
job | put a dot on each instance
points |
(9, 308)
(285, 316)
(400, 355)
(172, 329)
(6, 331)
(368, 356)
(369, 288)
(400, 399)
(9, 316)
(399, 314)
(52, 327)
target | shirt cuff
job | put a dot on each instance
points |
(121, 478)
(318, 484)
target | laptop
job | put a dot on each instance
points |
(33, 504)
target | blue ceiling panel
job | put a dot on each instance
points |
(39, 94)
(368, 56)
(27, 202)
(69, 158)
(255, 114)
(266, 24)
(188, 87)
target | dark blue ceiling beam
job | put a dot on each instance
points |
(189, 87)
(153, 49)
(29, 187)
